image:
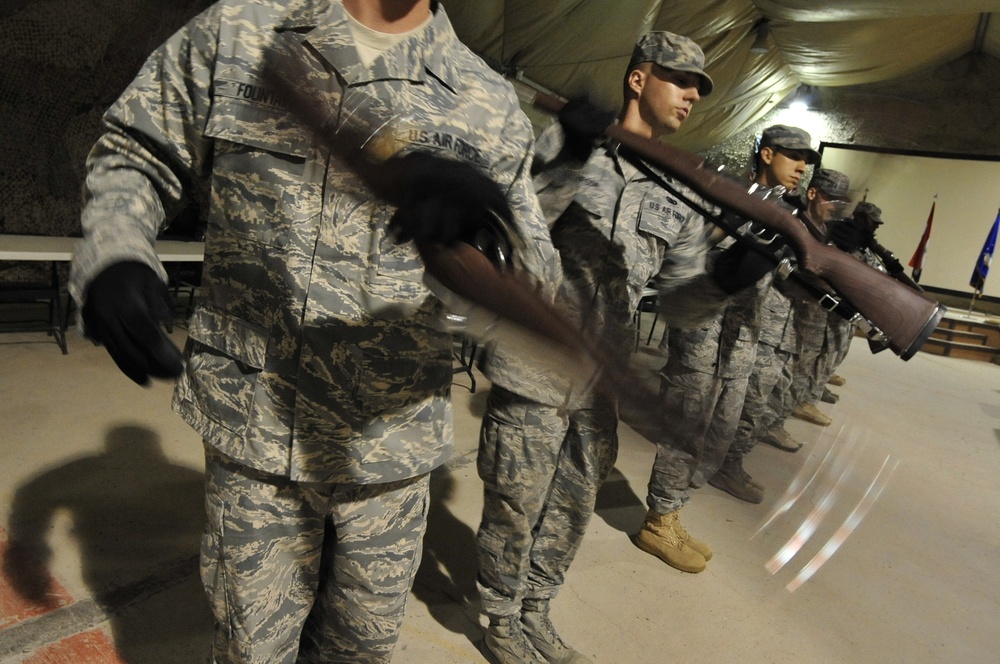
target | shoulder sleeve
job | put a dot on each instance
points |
(152, 149)
(535, 254)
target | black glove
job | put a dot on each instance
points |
(740, 266)
(583, 123)
(444, 201)
(125, 307)
(849, 234)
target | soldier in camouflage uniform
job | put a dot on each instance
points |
(316, 368)
(771, 381)
(546, 444)
(707, 371)
(826, 200)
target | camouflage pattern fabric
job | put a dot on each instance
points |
(615, 231)
(546, 444)
(705, 378)
(811, 330)
(674, 52)
(318, 352)
(777, 327)
(541, 469)
(711, 406)
(757, 323)
(726, 344)
(767, 386)
(267, 560)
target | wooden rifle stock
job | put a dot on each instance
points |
(905, 316)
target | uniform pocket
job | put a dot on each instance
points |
(259, 161)
(212, 567)
(659, 216)
(226, 356)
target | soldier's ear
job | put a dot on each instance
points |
(636, 80)
(767, 154)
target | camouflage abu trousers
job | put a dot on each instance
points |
(541, 469)
(836, 355)
(711, 408)
(781, 402)
(808, 375)
(303, 572)
(767, 392)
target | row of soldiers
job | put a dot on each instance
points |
(745, 348)
(333, 141)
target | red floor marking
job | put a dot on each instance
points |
(92, 647)
(13, 606)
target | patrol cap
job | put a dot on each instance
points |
(789, 138)
(833, 184)
(870, 211)
(672, 51)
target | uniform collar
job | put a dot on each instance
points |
(324, 26)
(625, 167)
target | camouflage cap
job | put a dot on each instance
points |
(675, 52)
(790, 138)
(833, 184)
(869, 210)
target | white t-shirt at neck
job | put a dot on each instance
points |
(372, 43)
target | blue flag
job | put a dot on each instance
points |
(985, 256)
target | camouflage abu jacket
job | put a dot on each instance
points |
(615, 230)
(318, 353)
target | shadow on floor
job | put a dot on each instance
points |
(137, 519)
(446, 579)
(619, 505)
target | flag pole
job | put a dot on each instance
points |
(979, 273)
(917, 261)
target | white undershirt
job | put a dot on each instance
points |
(372, 43)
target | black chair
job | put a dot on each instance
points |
(32, 293)
(646, 303)
(466, 346)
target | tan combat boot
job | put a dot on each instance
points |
(778, 437)
(810, 413)
(837, 381)
(542, 635)
(505, 642)
(734, 480)
(663, 536)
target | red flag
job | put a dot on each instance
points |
(917, 262)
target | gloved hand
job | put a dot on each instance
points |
(124, 308)
(849, 234)
(583, 123)
(739, 266)
(444, 201)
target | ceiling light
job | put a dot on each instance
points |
(802, 98)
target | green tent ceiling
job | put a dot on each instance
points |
(575, 46)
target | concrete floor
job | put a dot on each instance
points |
(104, 474)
